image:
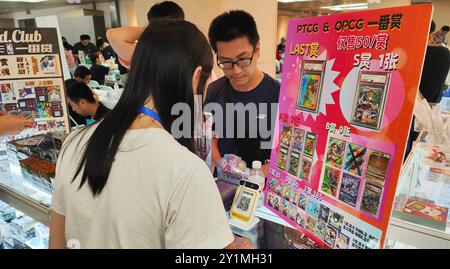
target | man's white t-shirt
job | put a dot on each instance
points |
(158, 195)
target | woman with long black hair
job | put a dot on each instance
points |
(126, 182)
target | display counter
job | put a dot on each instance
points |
(420, 215)
(25, 212)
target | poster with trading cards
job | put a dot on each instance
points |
(346, 100)
(31, 82)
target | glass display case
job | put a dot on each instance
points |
(420, 215)
(24, 211)
(27, 170)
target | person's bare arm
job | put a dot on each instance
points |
(240, 243)
(123, 40)
(57, 238)
(215, 154)
(13, 124)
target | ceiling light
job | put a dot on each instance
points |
(24, 1)
(347, 7)
(293, 1)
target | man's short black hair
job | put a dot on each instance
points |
(432, 27)
(445, 28)
(85, 37)
(231, 25)
(100, 42)
(79, 90)
(165, 10)
(81, 72)
(94, 56)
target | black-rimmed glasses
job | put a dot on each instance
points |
(243, 62)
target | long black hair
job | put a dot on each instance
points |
(163, 63)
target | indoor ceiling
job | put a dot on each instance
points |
(19, 6)
(313, 7)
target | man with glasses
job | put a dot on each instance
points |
(235, 40)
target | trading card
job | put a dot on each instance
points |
(279, 189)
(310, 144)
(330, 180)
(292, 211)
(349, 190)
(309, 92)
(294, 197)
(284, 207)
(324, 212)
(298, 137)
(286, 192)
(7, 92)
(44, 110)
(354, 159)
(282, 158)
(369, 101)
(321, 229)
(26, 92)
(335, 152)
(377, 166)
(10, 48)
(305, 171)
(274, 200)
(313, 208)
(285, 137)
(294, 163)
(301, 217)
(311, 223)
(47, 64)
(302, 201)
(330, 236)
(336, 220)
(54, 94)
(371, 198)
(342, 241)
(273, 184)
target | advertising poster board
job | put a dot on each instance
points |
(345, 109)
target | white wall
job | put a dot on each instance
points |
(52, 21)
(202, 12)
(127, 13)
(73, 27)
(389, 3)
(441, 13)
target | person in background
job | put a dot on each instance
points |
(12, 124)
(432, 82)
(106, 49)
(66, 44)
(135, 185)
(282, 46)
(108, 52)
(82, 74)
(235, 40)
(84, 45)
(82, 101)
(98, 70)
(440, 37)
(69, 57)
(434, 72)
(123, 39)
